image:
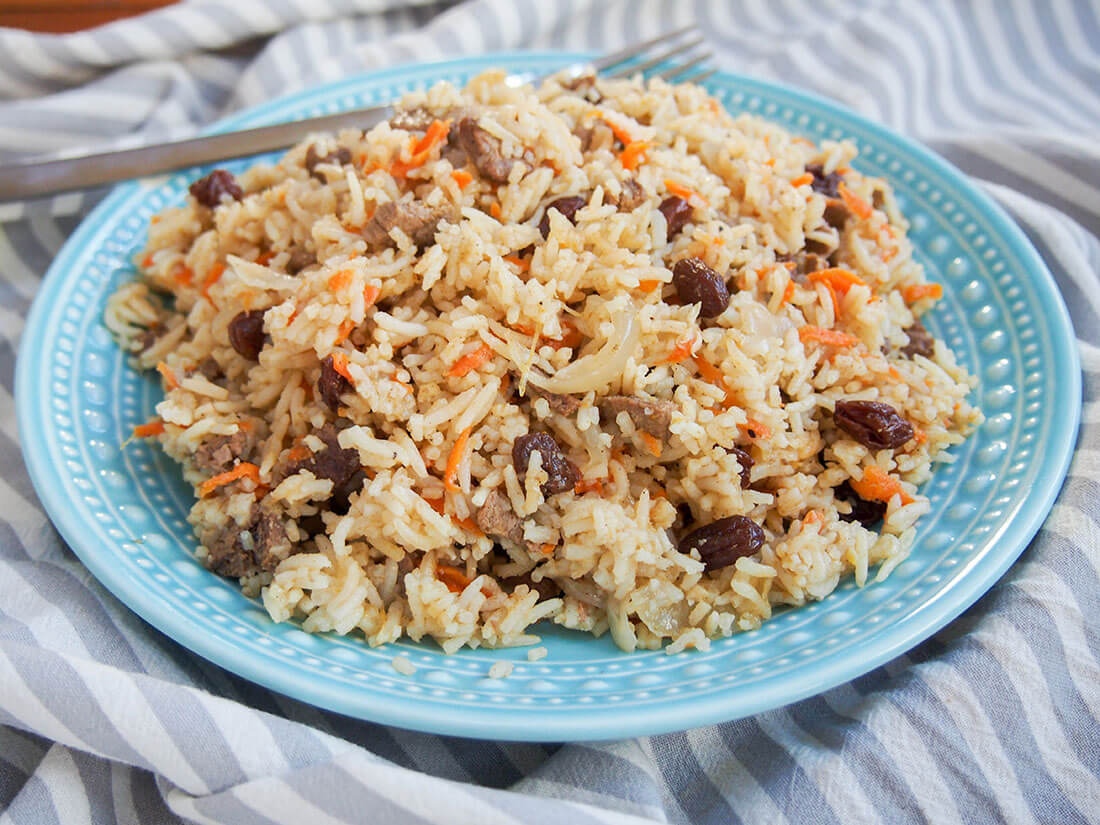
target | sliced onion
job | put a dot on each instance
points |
(601, 367)
(260, 276)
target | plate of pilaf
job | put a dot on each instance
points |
(578, 411)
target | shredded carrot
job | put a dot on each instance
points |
(650, 285)
(421, 150)
(494, 210)
(713, 105)
(147, 261)
(589, 485)
(264, 257)
(812, 517)
(893, 372)
(688, 194)
(714, 376)
(455, 579)
(455, 458)
(633, 154)
(619, 132)
(834, 298)
(878, 485)
(169, 376)
(916, 292)
(803, 180)
(298, 452)
(343, 332)
(370, 295)
(839, 279)
(462, 178)
(652, 443)
(436, 504)
(341, 280)
(184, 275)
(468, 524)
(681, 352)
(470, 361)
(523, 263)
(770, 162)
(212, 278)
(150, 428)
(659, 492)
(340, 364)
(788, 293)
(858, 205)
(919, 435)
(756, 429)
(243, 470)
(829, 337)
(889, 254)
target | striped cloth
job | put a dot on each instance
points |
(995, 719)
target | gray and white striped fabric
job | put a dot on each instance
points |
(995, 719)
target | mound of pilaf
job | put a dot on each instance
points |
(598, 354)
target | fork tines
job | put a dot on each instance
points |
(677, 53)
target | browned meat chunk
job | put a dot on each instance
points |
(149, 337)
(212, 190)
(210, 369)
(804, 264)
(484, 150)
(221, 452)
(649, 416)
(299, 260)
(921, 341)
(498, 520)
(331, 385)
(236, 551)
(836, 213)
(412, 120)
(413, 218)
(546, 587)
(333, 462)
(567, 206)
(561, 404)
(632, 196)
(337, 157)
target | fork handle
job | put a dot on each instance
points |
(46, 177)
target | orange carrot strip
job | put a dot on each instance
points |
(619, 132)
(712, 375)
(340, 364)
(436, 504)
(370, 295)
(681, 191)
(264, 257)
(916, 292)
(919, 435)
(462, 178)
(878, 485)
(858, 205)
(803, 180)
(652, 443)
(524, 264)
(184, 275)
(455, 458)
(468, 524)
(212, 277)
(788, 293)
(756, 429)
(168, 376)
(633, 154)
(455, 579)
(494, 210)
(243, 470)
(343, 332)
(681, 352)
(147, 261)
(829, 337)
(298, 452)
(589, 485)
(470, 361)
(838, 278)
(340, 280)
(421, 150)
(812, 517)
(650, 285)
(150, 428)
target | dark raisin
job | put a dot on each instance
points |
(331, 385)
(299, 260)
(921, 341)
(873, 424)
(568, 208)
(246, 333)
(562, 474)
(687, 518)
(697, 283)
(828, 185)
(337, 157)
(864, 511)
(209, 190)
(312, 525)
(723, 542)
(746, 462)
(677, 212)
(836, 213)
(340, 500)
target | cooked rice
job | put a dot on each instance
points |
(407, 557)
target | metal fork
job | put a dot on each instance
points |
(33, 178)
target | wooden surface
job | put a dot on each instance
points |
(70, 15)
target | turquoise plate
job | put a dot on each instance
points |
(123, 511)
